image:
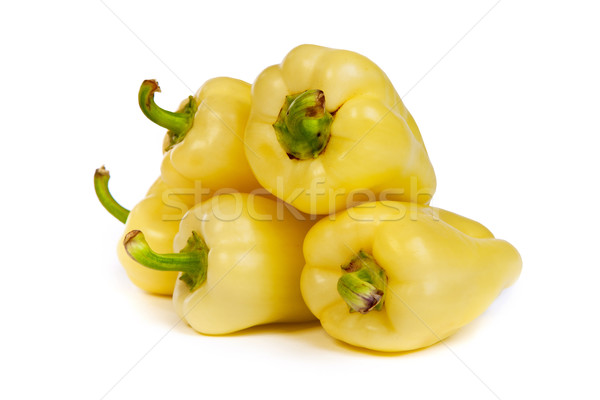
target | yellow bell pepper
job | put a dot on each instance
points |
(327, 123)
(239, 257)
(203, 148)
(410, 275)
(158, 215)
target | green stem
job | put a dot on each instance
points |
(178, 123)
(363, 284)
(192, 260)
(303, 127)
(101, 178)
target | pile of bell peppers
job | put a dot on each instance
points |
(306, 196)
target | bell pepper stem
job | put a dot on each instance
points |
(101, 178)
(177, 123)
(363, 284)
(192, 260)
(303, 126)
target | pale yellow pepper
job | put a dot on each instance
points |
(394, 276)
(158, 215)
(327, 123)
(240, 258)
(204, 147)
(160, 222)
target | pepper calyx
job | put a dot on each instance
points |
(178, 123)
(303, 127)
(192, 260)
(363, 284)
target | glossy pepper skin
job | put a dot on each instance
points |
(437, 272)
(329, 121)
(204, 143)
(241, 259)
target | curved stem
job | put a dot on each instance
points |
(101, 178)
(303, 127)
(363, 284)
(192, 260)
(178, 123)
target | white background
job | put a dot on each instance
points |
(506, 95)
